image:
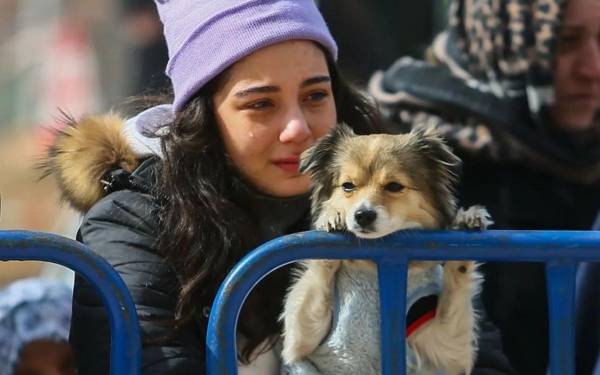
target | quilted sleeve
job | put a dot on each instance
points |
(121, 228)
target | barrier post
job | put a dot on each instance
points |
(125, 350)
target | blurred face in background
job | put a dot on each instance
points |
(577, 70)
(46, 357)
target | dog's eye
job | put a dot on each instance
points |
(348, 187)
(394, 187)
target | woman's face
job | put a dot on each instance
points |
(46, 357)
(273, 105)
(577, 71)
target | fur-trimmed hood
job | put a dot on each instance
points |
(83, 152)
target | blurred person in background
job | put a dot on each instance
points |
(48, 60)
(380, 31)
(35, 315)
(514, 86)
(148, 49)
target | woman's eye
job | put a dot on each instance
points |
(568, 42)
(348, 187)
(261, 104)
(317, 96)
(568, 38)
(394, 187)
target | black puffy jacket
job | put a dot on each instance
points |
(121, 228)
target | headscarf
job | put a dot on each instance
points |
(507, 44)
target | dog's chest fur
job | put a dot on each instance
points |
(352, 345)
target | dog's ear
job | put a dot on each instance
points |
(432, 145)
(445, 166)
(318, 162)
(320, 155)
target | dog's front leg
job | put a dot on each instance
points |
(307, 311)
(449, 340)
(461, 280)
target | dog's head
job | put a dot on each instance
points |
(378, 184)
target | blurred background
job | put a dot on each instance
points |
(87, 56)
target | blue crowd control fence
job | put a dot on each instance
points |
(125, 351)
(561, 251)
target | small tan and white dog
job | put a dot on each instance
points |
(373, 186)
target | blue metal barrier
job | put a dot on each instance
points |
(560, 250)
(125, 351)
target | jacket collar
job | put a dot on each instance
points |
(275, 216)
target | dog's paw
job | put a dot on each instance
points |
(473, 218)
(331, 221)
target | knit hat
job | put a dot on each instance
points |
(204, 37)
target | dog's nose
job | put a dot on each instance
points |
(365, 217)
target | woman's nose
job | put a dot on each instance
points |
(296, 128)
(589, 61)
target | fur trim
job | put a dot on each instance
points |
(83, 152)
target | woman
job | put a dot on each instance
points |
(515, 88)
(255, 84)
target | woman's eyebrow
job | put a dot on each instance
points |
(271, 89)
(315, 80)
(257, 90)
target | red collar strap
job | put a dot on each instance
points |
(422, 311)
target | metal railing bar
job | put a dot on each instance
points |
(560, 281)
(392, 299)
(125, 351)
(536, 246)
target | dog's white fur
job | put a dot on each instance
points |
(449, 340)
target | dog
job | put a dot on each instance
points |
(372, 186)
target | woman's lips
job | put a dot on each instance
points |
(585, 99)
(289, 164)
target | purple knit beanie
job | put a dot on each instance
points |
(205, 37)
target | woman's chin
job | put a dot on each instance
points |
(287, 187)
(577, 119)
